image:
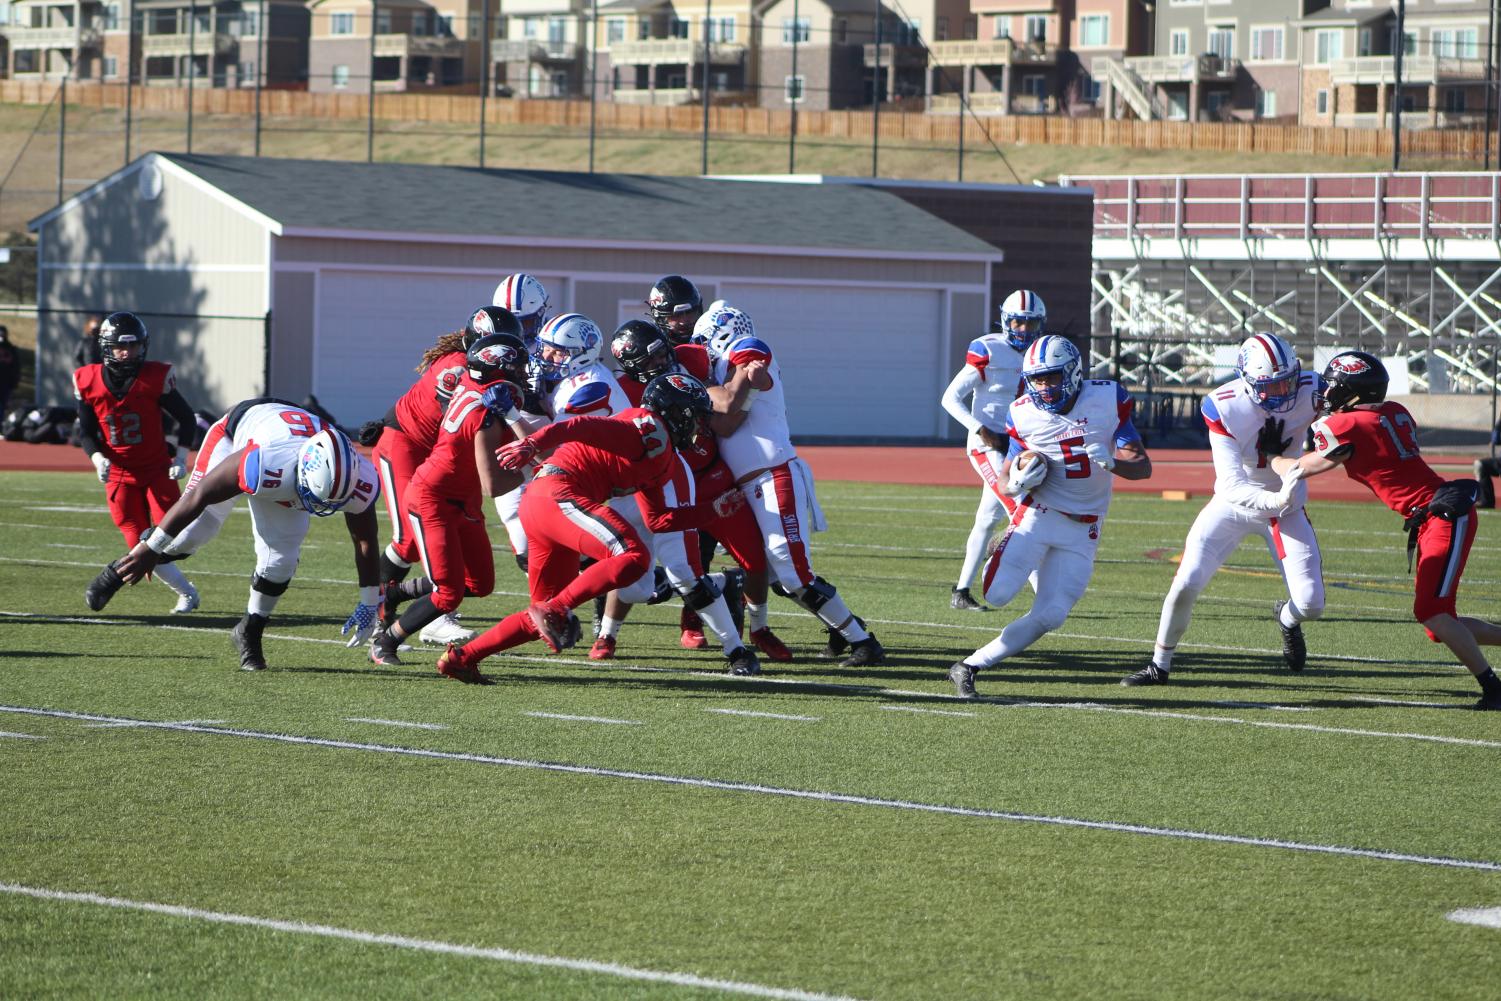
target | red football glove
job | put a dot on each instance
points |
(516, 454)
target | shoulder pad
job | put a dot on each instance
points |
(250, 470)
(694, 358)
(590, 398)
(447, 380)
(1121, 396)
(977, 356)
(748, 349)
(1208, 408)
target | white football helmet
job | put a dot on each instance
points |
(1052, 353)
(527, 298)
(327, 470)
(721, 326)
(573, 333)
(1023, 315)
(1267, 364)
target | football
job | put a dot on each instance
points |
(1028, 470)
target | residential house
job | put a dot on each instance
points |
(655, 51)
(1349, 63)
(51, 41)
(417, 45)
(540, 48)
(233, 43)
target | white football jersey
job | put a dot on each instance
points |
(763, 441)
(1235, 420)
(272, 435)
(991, 378)
(1101, 413)
(592, 392)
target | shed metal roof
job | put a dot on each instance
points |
(308, 197)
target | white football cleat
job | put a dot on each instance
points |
(446, 630)
(186, 602)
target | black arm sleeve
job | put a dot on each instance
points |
(182, 415)
(89, 431)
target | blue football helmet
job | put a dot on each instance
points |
(573, 333)
(1023, 315)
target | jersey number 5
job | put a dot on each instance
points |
(1076, 463)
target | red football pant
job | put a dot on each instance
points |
(739, 533)
(1443, 548)
(450, 536)
(396, 458)
(560, 527)
(137, 504)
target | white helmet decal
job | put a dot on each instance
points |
(328, 469)
(720, 326)
(574, 333)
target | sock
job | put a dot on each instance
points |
(1489, 683)
(513, 630)
(609, 627)
(837, 615)
(1163, 658)
(415, 588)
(262, 604)
(755, 615)
(173, 578)
(1287, 614)
(717, 620)
(418, 614)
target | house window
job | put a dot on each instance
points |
(250, 23)
(444, 25)
(1266, 44)
(841, 31)
(1037, 28)
(1222, 42)
(796, 31)
(341, 76)
(1214, 102)
(557, 30)
(792, 89)
(941, 29)
(1266, 104)
(1363, 42)
(1178, 42)
(615, 30)
(529, 27)
(246, 73)
(1321, 102)
(1454, 99)
(677, 81)
(722, 29)
(677, 28)
(1456, 43)
(112, 69)
(1035, 85)
(26, 60)
(1002, 27)
(1094, 29)
(112, 17)
(341, 23)
(1328, 46)
(382, 22)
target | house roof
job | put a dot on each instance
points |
(312, 197)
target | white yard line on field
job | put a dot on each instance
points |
(20, 736)
(815, 795)
(931, 712)
(396, 722)
(749, 712)
(423, 945)
(587, 719)
(1485, 917)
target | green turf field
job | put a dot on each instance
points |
(174, 828)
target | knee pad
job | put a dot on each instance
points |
(701, 595)
(661, 589)
(1049, 617)
(780, 591)
(274, 588)
(815, 595)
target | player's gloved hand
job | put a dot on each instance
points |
(363, 620)
(498, 398)
(1021, 479)
(516, 454)
(729, 502)
(1269, 440)
(1101, 455)
(179, 467)
(1282, 498)
(993, 440)
(101, 466)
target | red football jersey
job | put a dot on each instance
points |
(694, 359)
(450, 470)
(421, 408)
(1382, 443)
(133, 437)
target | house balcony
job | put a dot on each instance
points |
(530, 50)
(980, 103)
(662, 96)
(1415, 69)
(992, 52)
(61, 37)
(1183, 69)
(1417, 119)
(200, 44)
(900, 56)
(405, 45)
(674, 50)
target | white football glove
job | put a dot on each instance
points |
(1101, 455)
(364, 619)
(101, 466)
(1277, 500)
(1020, 479)
(179, 467)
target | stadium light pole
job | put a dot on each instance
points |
(1401, 44)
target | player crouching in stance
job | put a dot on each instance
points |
(1251, 420)
(120, 404)
(566, 513)
(444, 500)
(292, 465)
(1075, 433)
(1376, 441)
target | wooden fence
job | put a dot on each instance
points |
(1456, 144)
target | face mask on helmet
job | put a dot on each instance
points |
(681, 403)
(566, 345)
(495, 357)
(641, 351)
(122, 343)
(1022, 318)
(675, 305)
(1267, 365)
(526, 297)
(1352, 378)
(721, 327)
(489, 320)
(1053, 372)
(327, 470)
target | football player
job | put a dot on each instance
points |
(674, 304)
(991, 378)
(525, 298)
(1251, 419)
(1376, 441)
(567, 513)
(120, 404)
(444, 500)
(757, 447)
(1083, 432)
(293, 465)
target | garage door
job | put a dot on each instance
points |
(856, 362)
(373, 327)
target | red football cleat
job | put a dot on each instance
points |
(451, 665)
(603, 648)
(552, 625)
(770, 644)
(693, 639)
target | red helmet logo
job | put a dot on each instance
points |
(680, 382)
(1349, 364)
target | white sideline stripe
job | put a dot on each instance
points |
(588, 719)
(804, 794)
(932, 712)
(1231, 704)
(1406, 702)
(749, 712)
(69, 545)
(20, 736)
(1485, 917)
(425, 945)
(133, 724)
(395, 722)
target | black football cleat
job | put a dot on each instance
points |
(102, 588)
(865, 653)
(246, 636)
(383, 649)
(743, 663)
(1294, 650)
(391, 600)
(1149, 675)
(1490, 703)
(962, 601)
(963, 677)
(837, 643)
